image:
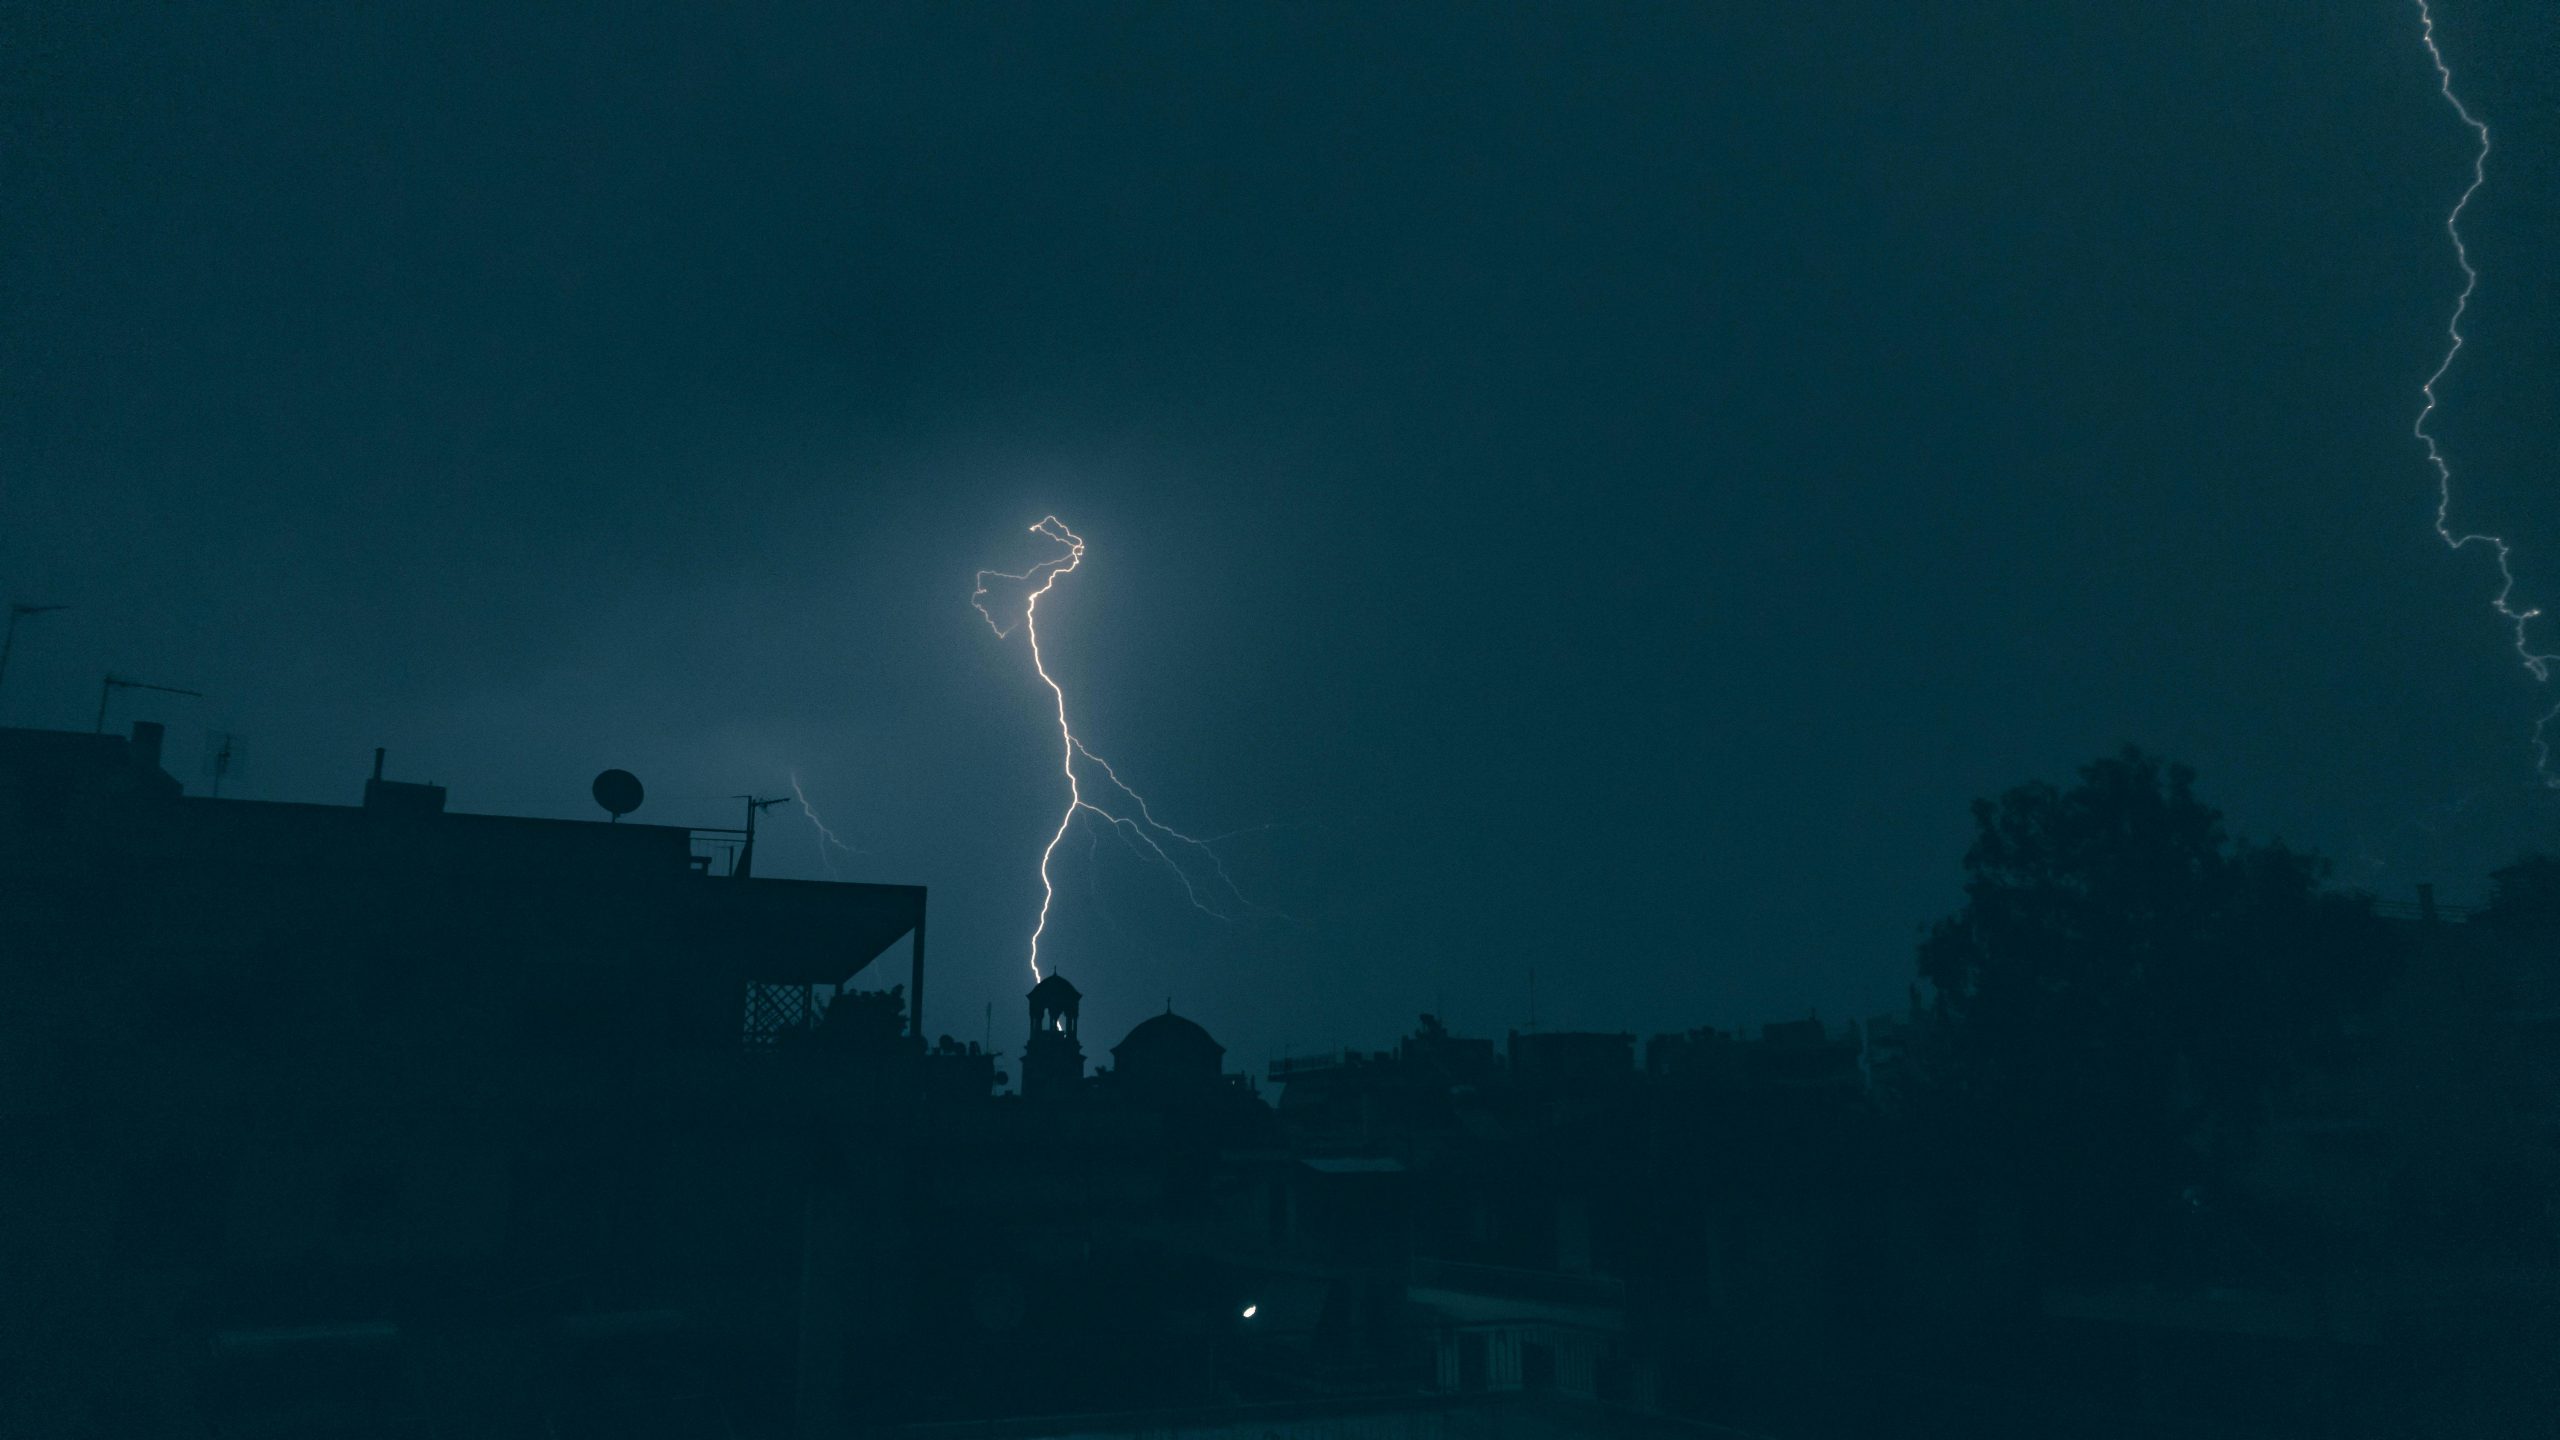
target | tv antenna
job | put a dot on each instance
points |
(223, 753)
(111, 684)
(8, 640)
(746, 862)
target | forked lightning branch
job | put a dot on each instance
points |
(1141, 829)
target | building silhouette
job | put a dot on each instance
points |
(350, 1100)
(382, 1118)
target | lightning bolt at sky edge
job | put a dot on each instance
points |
(2537, 663)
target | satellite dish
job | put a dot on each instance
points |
(618, 791)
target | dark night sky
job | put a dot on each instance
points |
(1608, 484)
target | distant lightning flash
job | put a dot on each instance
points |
(826, 837)
(1142, 831)
(2536, 662)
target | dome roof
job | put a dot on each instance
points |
(1055, 985)
(1169, 1032)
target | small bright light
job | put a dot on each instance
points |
(1249, 1309)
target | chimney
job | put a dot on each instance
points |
(147, 735)
(2427, 903)
(400, 797)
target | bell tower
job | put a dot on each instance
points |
(1053, 1060)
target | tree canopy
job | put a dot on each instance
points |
(2524, 897)
(2121, 986)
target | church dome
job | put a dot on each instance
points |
(1169, 1060)
(1167, 1035)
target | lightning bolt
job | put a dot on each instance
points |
(2520, 621)
(826, 837)
(1141, 830)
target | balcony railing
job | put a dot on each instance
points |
(1554, 1287)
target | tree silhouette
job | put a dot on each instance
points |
(2120, 988)
(2524, 897)
(867, 1019)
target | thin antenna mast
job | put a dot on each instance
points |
(111, 684)
(9, 638)
(745, 867)
(222, 751)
